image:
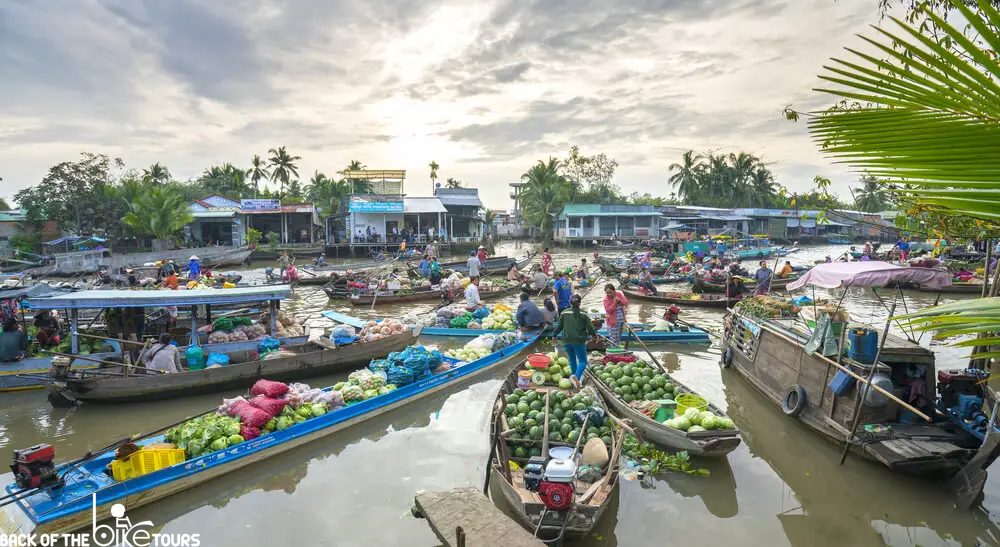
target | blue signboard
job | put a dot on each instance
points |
(260, 204)
(360, 205)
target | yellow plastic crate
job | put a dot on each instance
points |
(145, 461)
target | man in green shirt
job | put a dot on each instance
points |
(575, 327)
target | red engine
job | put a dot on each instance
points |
(34, 467)
(557, 496)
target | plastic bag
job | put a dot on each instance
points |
(399, 375)
(343, 331)
(248, 432)
(269, 388)
(272, 406)
(483, 341)
(249, 414)
(217, 359)
(481, 312)
(267, 344)
(379, 365)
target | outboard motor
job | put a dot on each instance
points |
(34, 467)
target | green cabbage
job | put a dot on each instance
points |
(318, 409)
(235, 439)
(219, 444)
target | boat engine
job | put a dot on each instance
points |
(34, 467)
(556, 488)
(952, 384)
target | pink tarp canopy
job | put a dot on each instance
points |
(869, 274)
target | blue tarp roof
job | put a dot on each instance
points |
(74, 240)
(34, 291)
(156, 298)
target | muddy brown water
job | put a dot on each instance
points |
(782, 486)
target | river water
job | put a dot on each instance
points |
(782, 486)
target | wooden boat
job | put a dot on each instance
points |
(493, 266)
(70, 507)
(590, 499)
(778, 283)
(702, 443)
(685, 299)
(430, 294)
(956, 287)
(244, 369)
(692, 335)
(661, 280)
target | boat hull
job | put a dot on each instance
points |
(27, 373)
(709, 301)
(493, 266)
(691, 336)
(22, 517)
(141, 388)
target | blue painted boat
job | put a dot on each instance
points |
(89, 488)
(692, 335)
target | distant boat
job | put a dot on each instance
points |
(837, 239)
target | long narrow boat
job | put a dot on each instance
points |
(715, 442)
(956, 287)
(495, 265)
(685, 299)
(427, 295)
(661, 279)
(302, 361)
(590, 499)
(681, 335)
(65, 509)
(710, 287)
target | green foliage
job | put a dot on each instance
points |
(272, 241)
(294, 192)
(283, 166)
(734, 180)
(648, 199)
(258, 171)
(156, 174)
(652, 459)
(434, 171)
(873, 195)
(27, 241)
(591, 176)
(226, 180)
(358, 186)
(327, 193)
(160, 212)
(544, 195)
(453, 183)
(4, 206)
(253, 236)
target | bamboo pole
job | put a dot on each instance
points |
(103, 362)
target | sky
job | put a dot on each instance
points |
(486, 88)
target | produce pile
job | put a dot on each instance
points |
(699, 420)
(525, 412)
(373, 331)
(499, 318)
(464, 321)
(399, 368)
(558, 372)
(286, 325)
(274, 407)
(767, 306)
(483, 345)
(362, 385)
(634, 381)
(235, 329)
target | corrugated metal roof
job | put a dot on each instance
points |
(423, 205)
(213, 214)
(12, 216)
(460, 197)
(142, 299)
(727, 218)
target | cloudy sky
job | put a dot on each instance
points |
(484, 88)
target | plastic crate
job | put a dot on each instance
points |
(145, 461)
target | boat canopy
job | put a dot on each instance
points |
(34, 291)
(869, 274)
(158, 298)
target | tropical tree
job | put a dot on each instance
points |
(545, 193)
(156, 174)
(872, 196)
(926, 121)
(72, 194)
(160, 212)
(686, 175)
(434, 172)
(327, 193)
(258, 171)
(226, 179)
(4, 206)
(358, 186)
(282, 166)
(453, 183)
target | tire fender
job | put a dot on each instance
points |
(727, 357)
(794, 400)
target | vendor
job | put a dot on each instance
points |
(424, 267)
(435, 271)
(583, 271)
(735, 287)
(48, 329)
(162, 356)
(482, 256)
(562, 290)
(763, 278)
(575, 328)
(786, 270)
(13, 342)
(529, 318)
(194, 267)
(472, 301)
(539, 281)
(670, 314)
(512, 272)
(549, 313)
(171, 281)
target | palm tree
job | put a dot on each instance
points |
(327, 193)
(358, 186)
(225, 179)
(156, 174)
(160, 212)
(258, 170)
(686, 175)
(544, 194)
(762, 190)
(434, 173)
(453, 183)
(282, 166)
(872, 196)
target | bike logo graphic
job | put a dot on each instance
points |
(122, 531)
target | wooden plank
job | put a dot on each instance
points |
(481, 521)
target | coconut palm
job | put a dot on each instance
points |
(226, 180)
(872, 196)
(160, 212)
(453, 183)
(282, 166)
(544, 194)
(434, 172)
(928, 118)
(685, 179)
(258, 171)
(156, 174)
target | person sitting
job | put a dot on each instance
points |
(583, 271)
(472, 301)
(646, 283)
(13, 342)
(549, 312)
(162, 356)
(964, 275)
(513, 274)
(320, 260)
(171, 281)
(530, 319)
(48, 329)
(763, 278)
(735, 288)
(786, 270)
(539, 281)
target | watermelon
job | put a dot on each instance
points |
(523, 408)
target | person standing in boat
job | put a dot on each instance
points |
(549, 312)
(615, 309)
(472, 301)
(194, 268)
(14, 342)
(562, 289)
(575, 328)
(763, 278)
(162, 356)
(473, 264)
(431, 250)
(424, 267)
(904, 248)
(583, 271)
(435, 271)
(530, 320)
(546, 261)
(482, 255)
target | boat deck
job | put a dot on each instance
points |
(468, 510)
(581, 487)
(894, 345)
